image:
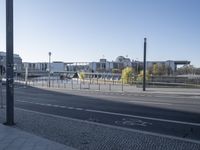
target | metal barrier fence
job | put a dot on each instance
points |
(79, 84)
(100, 84)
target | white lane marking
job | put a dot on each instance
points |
(62, 106)
(142, 117)
(145, 102)
(118, 114)
(42, 104)
(177, 97)
(113, 127)
(70, 107)
(79, 108)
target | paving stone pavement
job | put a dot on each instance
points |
(85, 135)
(15, 139)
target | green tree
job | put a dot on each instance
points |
(187, 69)
(162, 70)
(127, 74)
(140, 76)
(155, 69)
(197, 71)
(150, 69)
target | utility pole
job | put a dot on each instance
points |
(144, 65)
(9, 64)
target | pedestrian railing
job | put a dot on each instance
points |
(99, 84)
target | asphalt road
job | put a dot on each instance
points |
(158, 113)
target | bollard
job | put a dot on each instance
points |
(109, 87)
(99, 87)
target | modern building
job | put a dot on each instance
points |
(121, 62)
(17, 62)
(109, 66)
(33, 67)
(57, 66)
(102, 66)
(170, 65)
(76, 66)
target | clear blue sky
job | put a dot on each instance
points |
(85, 30)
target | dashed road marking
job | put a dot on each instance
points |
(156, 103)
(70, 107)
(79, 109)
(116, 114)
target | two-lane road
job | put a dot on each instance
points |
(158, 113)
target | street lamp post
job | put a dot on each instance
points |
(144, 65)
(49, 68)
(9, 64)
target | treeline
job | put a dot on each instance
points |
(189, 69)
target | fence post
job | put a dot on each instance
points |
(58, 83)
(72, 83)
(1, 93)
(122, 85)
(64, 85)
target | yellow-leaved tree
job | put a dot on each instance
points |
(127, 74)
(140, 76)
(82, 75)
